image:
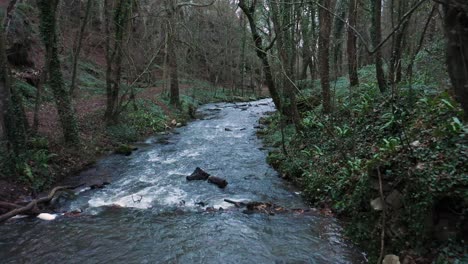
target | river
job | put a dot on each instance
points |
(149, 212)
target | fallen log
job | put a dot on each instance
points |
(32, 205)
(220, 182)
(198, 175)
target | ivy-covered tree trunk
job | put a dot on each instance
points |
(456, 27)
(114, 57)
(62, 98)
(13, 123)
(282, 15)
(376, 32)
(261, 51)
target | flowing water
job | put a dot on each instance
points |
(149, 213)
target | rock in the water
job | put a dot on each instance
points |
(227, 129)
(198, 175)
(221, 183)
(391, 259)
(124, 150)
(47, 217)
(202, 204)
(377, 204)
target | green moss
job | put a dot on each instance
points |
(124, 149)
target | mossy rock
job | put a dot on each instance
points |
(125, 150)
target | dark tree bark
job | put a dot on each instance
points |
(261, 51)
(62, 97)
(338, 38)
(171, 27)
(395, 61)
(306, 46)
(13, 122)
(456, 27)
(286, 49)
(114, 57)
(77, 51)
(4, 85)
(376, 32)
(324, 54)
(351, 45)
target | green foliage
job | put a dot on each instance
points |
(429, 68)
(202, 92)
(418, 148)
(25, 8)
(26, 90)
(147, 116)
(31, 167)
(124, 149)
(91, 78)
(142, 119)
(123, 133)
(34, 170)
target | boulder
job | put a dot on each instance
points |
(125, 150)
(198, 175)
(220, 182)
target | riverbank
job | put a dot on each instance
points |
(150, 206)
(378, 161)
(50, 162)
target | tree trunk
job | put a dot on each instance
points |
(338, 35)
(76, 55)
(4, 85)
(172, 53)
(395, 61)
(62, 97)
(114, 57)
(285, 44)
(261, 51)
(351, 45)
(376, 32)
(456, 27)
(324, 53)
(306, 47)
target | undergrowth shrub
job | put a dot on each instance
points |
(419, 149)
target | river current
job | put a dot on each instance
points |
(151, 214)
